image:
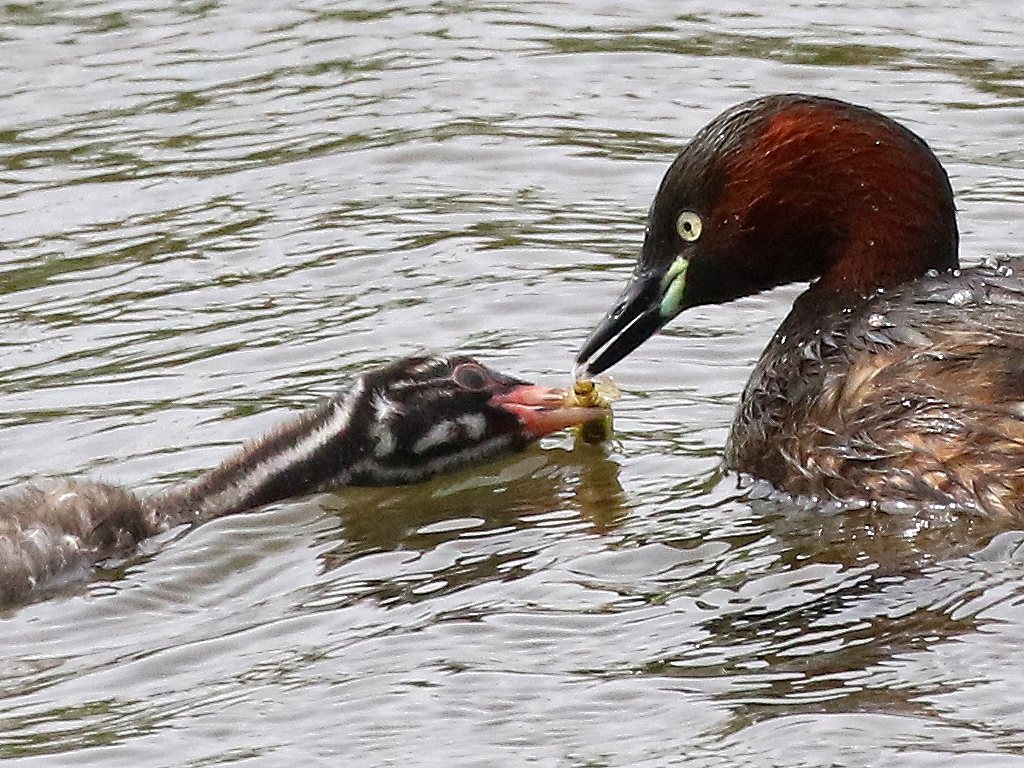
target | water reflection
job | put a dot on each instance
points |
(827, 609)
(471, 528)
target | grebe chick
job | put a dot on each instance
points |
(896, 379)
(402, 423)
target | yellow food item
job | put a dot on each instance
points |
(587, 393)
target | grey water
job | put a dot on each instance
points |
(214, 213)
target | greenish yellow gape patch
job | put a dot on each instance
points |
(673, 287)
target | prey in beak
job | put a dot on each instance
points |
(543, 410)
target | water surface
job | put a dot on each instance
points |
(215, 213)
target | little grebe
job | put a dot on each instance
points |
(401, 423)
(896, 378)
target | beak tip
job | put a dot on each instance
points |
(634, 319)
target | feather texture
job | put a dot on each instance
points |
(915, 396)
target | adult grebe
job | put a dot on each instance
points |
(398, 424)
(896, 377)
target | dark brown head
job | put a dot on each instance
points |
(781, 189)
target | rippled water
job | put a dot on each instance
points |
(213, 213)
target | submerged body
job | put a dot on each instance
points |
(915, 396)
(897, 379)
(402, 423)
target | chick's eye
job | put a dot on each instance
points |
(689, 225)
(470, 376)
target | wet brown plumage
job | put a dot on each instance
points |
(57, 531)
(915, 396)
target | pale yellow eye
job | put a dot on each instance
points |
(689, 225)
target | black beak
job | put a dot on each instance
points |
(634, 319)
